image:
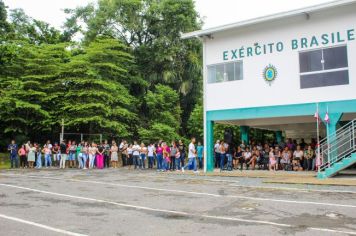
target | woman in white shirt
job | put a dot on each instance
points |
(247, 157)
(150, 155)
(297, 158)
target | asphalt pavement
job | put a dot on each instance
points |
(133, 202)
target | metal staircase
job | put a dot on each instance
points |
(338, 151)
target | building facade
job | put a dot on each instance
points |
(275, 72)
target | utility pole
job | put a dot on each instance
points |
(62, 133)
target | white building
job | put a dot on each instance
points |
(272, 72)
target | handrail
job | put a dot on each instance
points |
(338, 145)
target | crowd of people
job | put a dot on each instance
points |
(90, 155)
(175, 156)
(286, 156)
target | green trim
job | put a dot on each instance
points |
(210, 146)
(279, 137)
(305, 109)
(245, 130)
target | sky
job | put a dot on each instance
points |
(213, 12)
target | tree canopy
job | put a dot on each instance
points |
(130, 76)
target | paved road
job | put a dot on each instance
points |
(122, 202)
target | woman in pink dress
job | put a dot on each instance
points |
(272, 160)
(100, 157)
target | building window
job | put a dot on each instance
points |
(225, 72)
(324, 67)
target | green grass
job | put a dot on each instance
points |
(4, 161)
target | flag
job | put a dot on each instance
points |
(316, 116)
(326, 118)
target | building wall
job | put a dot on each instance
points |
(253, 90)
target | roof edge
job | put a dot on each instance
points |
(240, 24)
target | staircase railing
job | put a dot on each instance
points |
(338, 145)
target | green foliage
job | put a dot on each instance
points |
(196, 122)
(156, 132)
(163, 106)
(132, 76)
(33, 31)
(91, 94)
(152, 29)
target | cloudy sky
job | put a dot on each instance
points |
(214, 12)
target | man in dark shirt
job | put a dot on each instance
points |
(182, 151)
(12, 148)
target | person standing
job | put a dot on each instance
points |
(159, 154)
(150, 154)
(85, 155)
(63, 154)
(121, 150)
(143, 154)
(217, 154)
(39, 151)
(48, 153)
(72, 152)
(78, 151)
(106, 154)
(31, 157)
(79, 154)
(222, 149)
(100, 157)
(166, 156)
(192, 162)
(22, 154)
(308, 158)
(55, 153)
(200, 153)
(92, 154)
(174, 150)
(136, 154)
(114, 155)
(129, 155)
(182, 150)
(13, 149)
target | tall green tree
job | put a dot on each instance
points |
(33, 31)
(25, 86)
(152, 29)
(164, 114)
(91, 97)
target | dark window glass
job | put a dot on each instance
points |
(324, 79)
(229, 72)
(335, 58)
(238, 71)
(310, 61)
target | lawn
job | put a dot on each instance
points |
(4, 161)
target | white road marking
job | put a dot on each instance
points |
(295, 189)
(65, 232)
(175, 212)
(199, 193)
(262, 187)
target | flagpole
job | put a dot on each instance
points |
(318, 139)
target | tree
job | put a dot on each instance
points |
(33, 31)
(152, 29)
(164, 114)
(90, 95)
(4, 24)
(25, 83)
(196, 122)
